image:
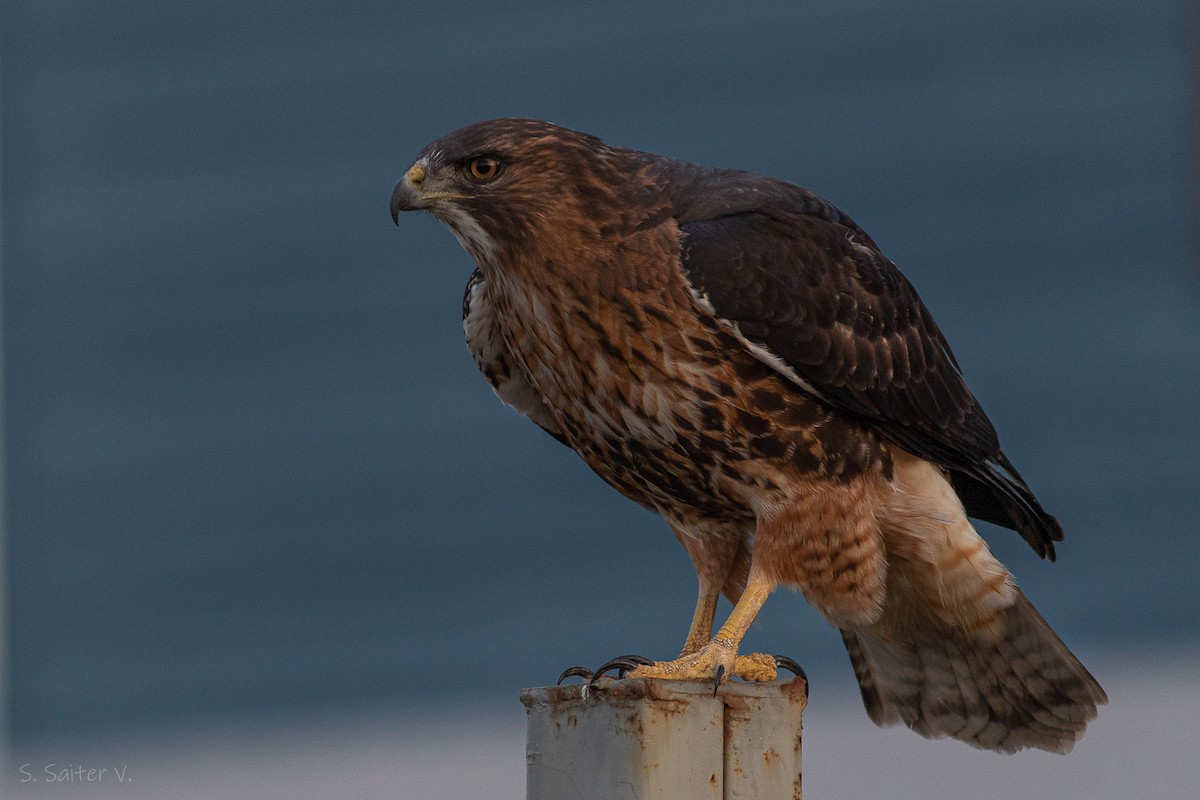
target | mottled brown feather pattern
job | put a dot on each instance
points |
(736, 354)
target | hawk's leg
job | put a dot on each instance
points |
(702, 618)
(722, 561)
(719, 657)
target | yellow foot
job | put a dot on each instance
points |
(717, 660)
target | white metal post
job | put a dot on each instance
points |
(664, 740)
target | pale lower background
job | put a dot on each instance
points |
(1145, 745)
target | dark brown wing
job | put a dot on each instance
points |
(811, 292)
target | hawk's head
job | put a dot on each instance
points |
(504, 180)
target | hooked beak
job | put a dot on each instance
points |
(410, 193)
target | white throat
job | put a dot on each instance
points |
(474, 239)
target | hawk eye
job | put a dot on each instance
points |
(483, 169)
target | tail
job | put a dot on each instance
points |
(1022, 689)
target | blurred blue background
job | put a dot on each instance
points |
(251, 468)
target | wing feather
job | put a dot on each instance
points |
(807, 289)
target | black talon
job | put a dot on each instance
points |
(717, 682)
(635, 659)
(622, 664)
(575, 672)
(791, 666)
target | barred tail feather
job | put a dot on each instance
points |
(1024, 690)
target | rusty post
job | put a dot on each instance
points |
(664, 740)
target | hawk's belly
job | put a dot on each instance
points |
(682, 419)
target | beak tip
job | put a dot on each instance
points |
(399, 195)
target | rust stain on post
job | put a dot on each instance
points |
(664, 740)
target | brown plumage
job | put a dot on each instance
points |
(736, 354)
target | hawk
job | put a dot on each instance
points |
(734, 353)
